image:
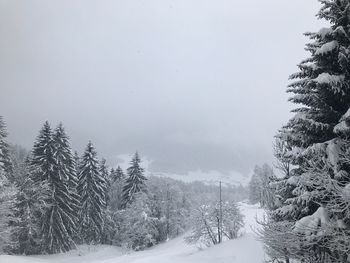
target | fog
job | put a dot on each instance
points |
(193, 85)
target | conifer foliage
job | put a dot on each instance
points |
(54, 199)
(66, 182)
(30, 204)
(91, 190)
(315, 147)
(53, 167)
(5, 161)
(7, 189)
(135, 181)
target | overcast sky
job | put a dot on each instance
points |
(191, 84)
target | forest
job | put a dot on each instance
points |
(53, 200)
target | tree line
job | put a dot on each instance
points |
(52, 200)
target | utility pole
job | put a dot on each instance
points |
(220, 214)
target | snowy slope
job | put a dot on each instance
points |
(210, 177)
(245, 249)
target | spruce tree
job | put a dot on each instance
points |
(115, 189)
(7, 188)
(316, 141)
(65, 161)
(53, 166)
(42, 156)
(77, 163)
(91, 190)
(321, 87)
(30, 206)
(5, 160)
(135, 181)
(119, 174)
(66, 200)
(103, 170)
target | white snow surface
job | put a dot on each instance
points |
(342, 126)
(246, 249)
(309, 224)
(324, 32)
(326, 78)
(327, 47)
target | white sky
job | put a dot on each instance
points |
(191, 84)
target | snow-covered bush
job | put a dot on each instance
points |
(208, 228)
(137, 226)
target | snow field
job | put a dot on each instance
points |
(245, 249)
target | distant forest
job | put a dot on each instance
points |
(52, 199)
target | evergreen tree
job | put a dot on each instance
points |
(53, 166)
(66, 163)
(316, 138)
(135, 181)
(108, 226)
(7, 193)
(91, 190)
(42, 156)
(77, 163)
(7, 188)
(103, 170)
(30, 206)
(322, 84)
(64, 213)
(322, 90)
(116, 174)
(115, 189)
(5, 160)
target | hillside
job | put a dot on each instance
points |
(245, 249)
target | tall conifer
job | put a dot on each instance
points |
(91, 190)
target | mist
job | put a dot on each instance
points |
(191, 85)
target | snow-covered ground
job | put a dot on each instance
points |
(245, 249)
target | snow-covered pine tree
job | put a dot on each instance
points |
(77, 163)
(5, 160)
(66, 200)
(7, 188)
(7, 193)
(115, 190)
(135, 181)
(66, 163)
(109, 225)
(54, 167)
(322, 88)
(30, 204)
(103, 170)
(117, 174)
(91, 190)
(42, 155)
(322, 84)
